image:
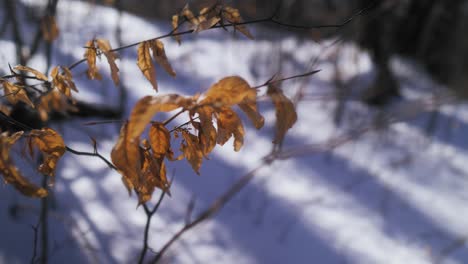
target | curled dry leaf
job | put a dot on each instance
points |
(159, 55)
(234, 90)
(286, 115)
(10, 173)
(126, 157)
(232, 15)
(54, 100)
(50, 30)
(52, 147)
(90, 56)
(188, 14)
(63, 81)
(190, 147)
(206, 129)
(148, 106)
(145, 63)
(106, 48)
(175, 27)
(229, 124)
(16, 93)
(160, 140)
(39, 75)
(153, 174)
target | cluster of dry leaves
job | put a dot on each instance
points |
(141, 159)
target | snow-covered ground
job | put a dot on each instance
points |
(396, 195)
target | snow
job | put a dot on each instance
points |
(391, 196)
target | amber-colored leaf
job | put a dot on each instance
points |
(229, 124)
(106, 48)
(148, 106)
(126, 157)
(206, 130)
(50, 30)
(159, 55)
(145, 63)
(39, 75)
(175, 27)
(63, 81)
(10, 173)
(90, 55)
(207, 23)
(233, 16)
(188, 14)
(286, 115)
(160, 140)
(250, 109)
(16, 93)
(56, 101)
(52, 147)
(190, 147)
(229, 91)
(153, 175)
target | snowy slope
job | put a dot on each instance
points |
(393, 196)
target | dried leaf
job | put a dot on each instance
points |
(39, 75)
(106, 48)
(126, 157)
(235, 90)
(188, 14)
(10, 173)
(159, 55)
(190, 147)
(145, 63)
(54, 100)
(16, 93)
(63, 81)
(52, 147)
(207, 24)
(233, 16)
(90, 55)
(175, 27)
(286, 115)
(230, 124)
(153, 175)
(160, 140)
(148, 106)
(50, 30)
(207, 132)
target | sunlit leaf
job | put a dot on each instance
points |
(39, 75)
(233, 16)
(207, 131)
(10, 173)
(160, 140)
(90, 56)
(145, 63)
(175, 27)
(286, 115)
(63, 80)
(106, 49)
(52, 147)
(16, 93)
(229, 124)
(190, 147)
(148, 106)
(159, 55)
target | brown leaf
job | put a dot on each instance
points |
(250, 109)
(145, 63)
(175, 27)
(63, 81)
(16, 93)
(39, 75)
(188, 14)
(207, 24)
(52, 147)
(90, 55)
(159, 55)
(233, 16)
(190, 147)
(50, 30)
(160, 140)
(153, 175)
(286, 115)
(10, 173)
(54, 100)
(207, 132)
(126, 157)
(106, 48)
(229, 124)
(148, 106)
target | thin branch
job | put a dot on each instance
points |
(91, 154)
(149, 215)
